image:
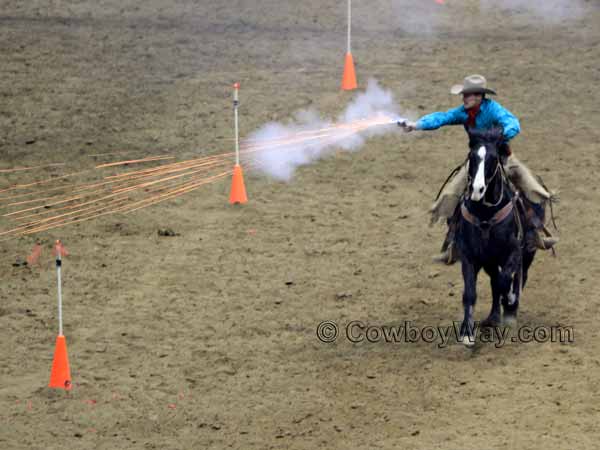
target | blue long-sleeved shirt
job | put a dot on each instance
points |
(491, 114)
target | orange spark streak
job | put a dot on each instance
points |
(80, 210)
(177, 192)
(54, 210)
(178, 165)
(156, 184)
(134, 161)
(92, 185)
(22, 169)
(46, 181)
(127, 208)
(69, 222)
(47, 205)
(32, 225)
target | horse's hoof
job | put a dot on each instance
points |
(468, 341)
(491, 322)
(510, 321)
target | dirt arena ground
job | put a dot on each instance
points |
(207, 339)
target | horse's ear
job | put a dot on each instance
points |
(497, 134)
(503, 149)
(473, 135)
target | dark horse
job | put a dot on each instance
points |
(491, 234)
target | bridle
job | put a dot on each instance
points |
(486, 225)
(487, 183)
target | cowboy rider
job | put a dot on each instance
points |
(482, 113)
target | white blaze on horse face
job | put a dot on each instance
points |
(479, 181)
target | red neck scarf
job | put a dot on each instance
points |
(472, 112)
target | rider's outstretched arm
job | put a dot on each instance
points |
(433, 121)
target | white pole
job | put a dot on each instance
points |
(236, 103)
(58, 267)
(349, 24)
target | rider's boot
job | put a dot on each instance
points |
(449, 253)
(448, 256)
(544, 239)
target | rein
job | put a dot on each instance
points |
(501, 187)
(515, 201)
(454, 172)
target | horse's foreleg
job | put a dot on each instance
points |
(467, 332)
(495, 318)
(510, 286)
(512, 300)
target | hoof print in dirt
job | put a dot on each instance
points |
(167, 232)
(122, 228)
(19, 263)
(343, 296)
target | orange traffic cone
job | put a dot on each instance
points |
(238, 189)
(60, 376)
(349, 77)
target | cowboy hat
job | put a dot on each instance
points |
(473, 84)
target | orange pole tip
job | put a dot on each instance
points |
(59, 249)
(236, 86)
(60, 375)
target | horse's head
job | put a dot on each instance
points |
(484, 160)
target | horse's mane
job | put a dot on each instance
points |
(492, 136)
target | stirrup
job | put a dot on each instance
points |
(448, 255)
(545, 242)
